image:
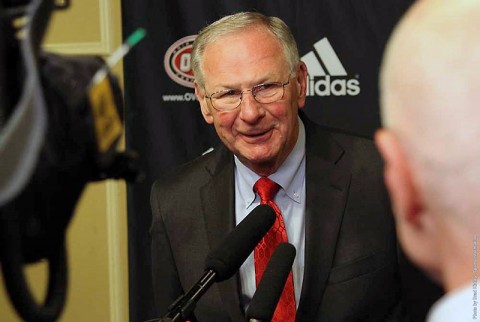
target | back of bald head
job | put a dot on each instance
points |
(430, 98)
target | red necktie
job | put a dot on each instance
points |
(285, 310)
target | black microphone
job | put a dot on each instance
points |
(223, 262)
(264, 301)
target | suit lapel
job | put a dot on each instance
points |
(327, 190)
(218, 203)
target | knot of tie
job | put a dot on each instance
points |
(266, 189)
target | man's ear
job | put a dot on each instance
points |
(405, 199)
(416, 227)
(301, 83)
(207, 114)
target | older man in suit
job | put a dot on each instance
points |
(331, 200)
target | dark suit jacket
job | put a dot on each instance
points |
(350, 248)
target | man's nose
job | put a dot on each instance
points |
(250, 109)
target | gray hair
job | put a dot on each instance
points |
(237, 22)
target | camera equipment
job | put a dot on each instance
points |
(58, 131)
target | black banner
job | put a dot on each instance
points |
(341, 41)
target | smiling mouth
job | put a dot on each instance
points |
(257, 137)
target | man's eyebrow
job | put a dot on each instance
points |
(220, 87)
(225, 89)
(265, 79)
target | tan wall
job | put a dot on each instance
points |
(96, 238)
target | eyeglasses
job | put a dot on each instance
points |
(230, 99)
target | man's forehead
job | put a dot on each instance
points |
(235, 81)
(244, 60)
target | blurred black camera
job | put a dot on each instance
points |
(59, 130)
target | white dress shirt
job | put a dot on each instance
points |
(457, 306)
(291, 202)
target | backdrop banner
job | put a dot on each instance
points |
(341, 41)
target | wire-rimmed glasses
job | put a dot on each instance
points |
(230, 99)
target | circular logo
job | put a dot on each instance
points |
(177, 61)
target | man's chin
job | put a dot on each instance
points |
(257, 158)
(263, 165)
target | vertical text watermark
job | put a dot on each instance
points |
(474, 283)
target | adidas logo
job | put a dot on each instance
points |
(326, 74)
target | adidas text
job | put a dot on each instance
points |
(325, 86)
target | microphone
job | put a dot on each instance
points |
(223, 262)
(264, 301)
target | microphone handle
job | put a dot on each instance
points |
(184, 306)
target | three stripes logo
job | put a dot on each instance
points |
(326, 74)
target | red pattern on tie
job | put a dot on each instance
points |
(286, 309)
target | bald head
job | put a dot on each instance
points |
(430, 98)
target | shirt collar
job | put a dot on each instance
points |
(455, 305)
(289, 176)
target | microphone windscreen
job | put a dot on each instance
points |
(264, 301)
(230, 255)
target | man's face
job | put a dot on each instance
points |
(260, 135)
